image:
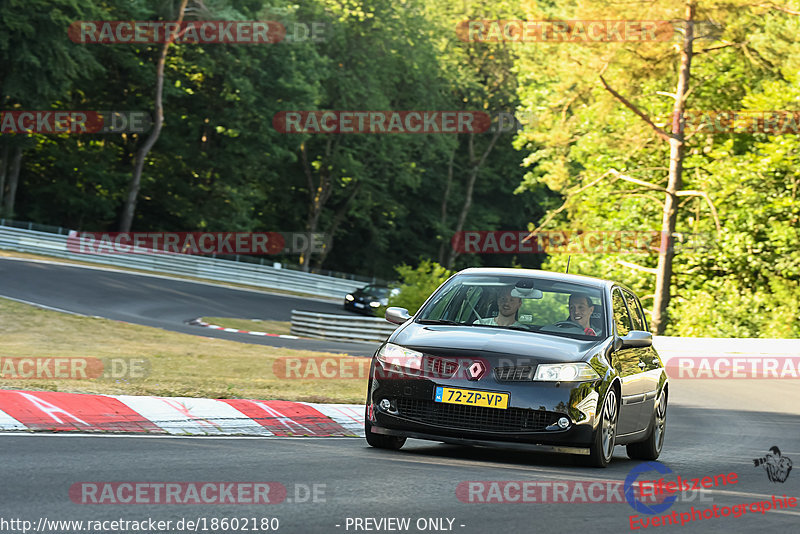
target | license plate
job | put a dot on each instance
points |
(470, 397)
(358, 305)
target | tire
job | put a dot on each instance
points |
(602, 449)
(380, 441)
(650, 449)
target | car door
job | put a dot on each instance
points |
(649, 361)
(627, 361)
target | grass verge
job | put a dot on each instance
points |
(177, 364)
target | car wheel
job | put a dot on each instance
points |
(650, 448)
(602, 448)
(381, 441)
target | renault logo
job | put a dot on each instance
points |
(475, 371)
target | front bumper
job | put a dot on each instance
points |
(366, 309)
(563, 449)
(533, 410)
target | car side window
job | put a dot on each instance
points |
(636, 312)
(622, 318)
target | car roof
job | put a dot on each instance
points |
(546, 275)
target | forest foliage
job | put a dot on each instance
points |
(582, 158)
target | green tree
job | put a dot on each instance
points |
(604, 109)
(39, 67)
(417, 284)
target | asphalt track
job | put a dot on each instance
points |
(417, 482)
(161, 302)
(714, 427)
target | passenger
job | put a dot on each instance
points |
(580, 312)
(507, 310)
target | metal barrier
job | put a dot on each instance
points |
(340, 327)
(671, 347)
(377, 329)
(184, 265)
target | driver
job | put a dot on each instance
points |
(507, 308)
(580, 312)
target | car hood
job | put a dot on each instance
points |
(476, 341)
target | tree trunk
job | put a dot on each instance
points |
(475, 167)
(443, 218)
(337, 220)
(318, 193)
(675, 183)
(141, 155)
(13, 180)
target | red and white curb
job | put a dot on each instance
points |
(198, 322)
(62, 412)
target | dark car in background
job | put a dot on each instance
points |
(548, 361)
(367, 299)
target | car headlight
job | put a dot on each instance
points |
(392, 354)
(565, 372)
(374, 303)
(349, 298)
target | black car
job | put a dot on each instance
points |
(367, 299)
(548, 361)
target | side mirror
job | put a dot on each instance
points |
(637, 339)
(397, 315)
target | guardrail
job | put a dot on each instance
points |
(340, 327)
(671, 347)
(183, 265)
(377, 329)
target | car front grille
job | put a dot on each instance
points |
(475, 417)
(514, 374)
(436, 367)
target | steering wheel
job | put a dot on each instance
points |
(568, 324)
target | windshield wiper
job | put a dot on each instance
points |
(438, 321)
(509, 327)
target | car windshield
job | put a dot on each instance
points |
(377, 291)
(518, 303)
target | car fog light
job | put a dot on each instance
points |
(385, 405)
(563, 422)
(375, 304)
